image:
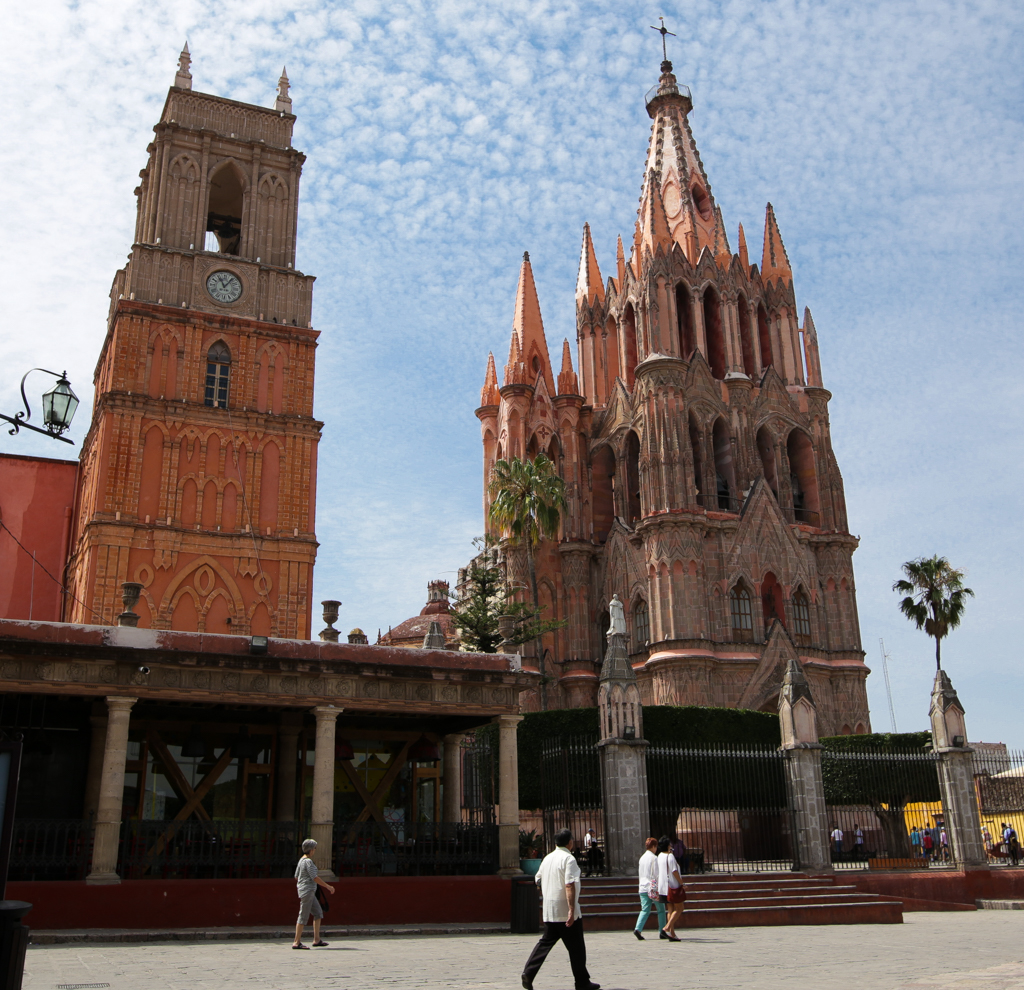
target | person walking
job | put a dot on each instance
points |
(559, 880)
(670, 887)
(649, 896)
(594, 853)
(915, 842)
(927, 845)
(858, 842)
(306, 880)
(1012, 844)
(837, 841)
(944, 844)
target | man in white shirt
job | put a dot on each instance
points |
(837, 841)
(559, 882)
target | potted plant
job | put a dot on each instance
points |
(529, 852)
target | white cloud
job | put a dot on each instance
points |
(445, 138)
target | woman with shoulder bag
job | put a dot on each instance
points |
(649, 896)
(670, 887)
(308, 884)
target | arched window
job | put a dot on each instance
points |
(764, 337)
(696, 451)
(802, 618)
(218, 368)
(746, 342)
(633, 510)
(725, 476)
(629, 343)
(713, 330)
(803, 478)
(684, 318)
(742, 615)
(226, 204)
(641, 625)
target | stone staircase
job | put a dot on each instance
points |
(732, 900)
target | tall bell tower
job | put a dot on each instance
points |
(198, 474)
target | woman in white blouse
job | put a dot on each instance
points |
(670, 887)
(649, 898)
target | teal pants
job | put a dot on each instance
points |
(646, 904)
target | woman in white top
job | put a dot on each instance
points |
(670, 887)
(649, 898)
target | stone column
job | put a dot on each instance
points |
(452, 781)
(111, 794)
(508, 794)
(804, 785)
(956, 775)
(323, 789)
(287, 765)
(94, 772)
(627, 820)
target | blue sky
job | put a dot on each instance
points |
(444, 139)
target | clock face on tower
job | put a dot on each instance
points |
(224, 287)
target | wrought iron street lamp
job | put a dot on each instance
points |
(59, 405)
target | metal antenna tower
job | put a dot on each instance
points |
(888, 686)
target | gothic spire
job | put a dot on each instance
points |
(774, 260)
(744, 257)
(656, 232)
(528, 325)
(183, 79)
(489, 395)
(620, 266)
(568, 383)
(283, 102)
(515, 373)
(812, 358)
(723, 253)
(589, 285)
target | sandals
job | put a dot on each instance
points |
(317, 945)
(300, 946)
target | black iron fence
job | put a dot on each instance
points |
(45, 849)
(727, 804)
(885, 810)
(229, 849)
(570, 779)
(479, 778)
(999, 785)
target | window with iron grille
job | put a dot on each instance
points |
(802, 618)
(641, 624)
(742, 615)
(218, 368)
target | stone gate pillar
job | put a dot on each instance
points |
(508, 794)
(956, 775)
(627, 820)
(287, 766)
(111, 795)
(322, 826)
(451, 784)
(805, 789)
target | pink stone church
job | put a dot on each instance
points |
(697, 457)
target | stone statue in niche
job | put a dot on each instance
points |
(617, 614)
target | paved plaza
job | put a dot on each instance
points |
(930, 951)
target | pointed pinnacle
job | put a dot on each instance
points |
(568, 383)
(774, 260)
(744, 256)
(589, 284)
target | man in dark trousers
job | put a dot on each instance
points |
(559, 882)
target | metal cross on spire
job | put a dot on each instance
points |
(663, 31)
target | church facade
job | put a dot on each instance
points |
(198, 473)
(695, 447)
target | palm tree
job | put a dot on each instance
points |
(935, 597)
(527, 500)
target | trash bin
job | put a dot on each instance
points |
(525, 906)
(13, 942)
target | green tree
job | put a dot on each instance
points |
(935, 597)
(527, 501)
(483, 597)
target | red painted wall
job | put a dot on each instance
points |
(951, 887)
(219, 903)
(36, 498)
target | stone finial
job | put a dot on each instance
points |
(183, 79)
(797, 712)
(283, 101)
(329, 634)
(949, 730)
(130, 592)
(434, 639)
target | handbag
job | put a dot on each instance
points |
(652, 890)
(322, 899)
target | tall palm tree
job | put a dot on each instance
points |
(527, 501)
(935, 597)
